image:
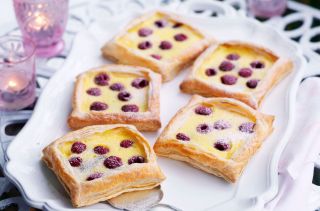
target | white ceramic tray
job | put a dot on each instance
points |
(186, 188)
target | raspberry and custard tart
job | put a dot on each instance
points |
(117, 94)
(163, 42)
(100, 162)
(237, 70)
(216, 135)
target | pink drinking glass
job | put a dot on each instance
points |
(17, 73)
(267, 8)
(43, 22)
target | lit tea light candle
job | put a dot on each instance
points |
(17, 73)
(15, 82)
(39, 22)
(16, 88)
(43, 22)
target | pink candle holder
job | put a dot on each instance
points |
(267, 8)
(43, 22)
(17, 73)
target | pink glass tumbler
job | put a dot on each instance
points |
(267, 8)
(43, 22)
(17, 73)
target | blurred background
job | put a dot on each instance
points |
(314, 3)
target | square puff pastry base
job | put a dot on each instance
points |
(167, 68)
(275, 74)
(135, 177)
(143, 121)
(229, 169)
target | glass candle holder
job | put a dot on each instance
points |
(17, 73)
(267, 8)
(43, 22)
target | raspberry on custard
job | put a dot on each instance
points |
(130, 108)
(222, 145)
(140, 83)
(94, 176)
(101, 150)
(226, 66)
(126, 143)
(203, 128)
(75, 161)
(136, 159)
(102, 79)
(182, 137)
(98, 106)
(78, 147)
(247, 127)
(112, 162)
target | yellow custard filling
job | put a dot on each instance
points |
(246, 55)
(139, 97)
(132, 38)
(206, 140)
(93, 162)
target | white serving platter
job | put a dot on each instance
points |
(185, 187)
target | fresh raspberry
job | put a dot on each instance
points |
(145, 45)
(165, 45)
(226, 66)
(211, 72)
(101, 150)
(221, 145)
(102, 79)
(112, 162)
(161, 23)
(257, 64)
(180, 37)
(98, 106)
(203, 110)
(126, 143)
(253, 83)
(75, 161)
(204, 128)
(221, 125)
(130, 108)
(140, 83)
(144, 32)
(94, 91)
(116, 87)
(94, 176)
(136, 159)
(177, 25)
(247, 127)
(156, 56)
(229, 79)
(233, 56)
(78, 147)
(124, 96)
(245, 72)
(182, 137)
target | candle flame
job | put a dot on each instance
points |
(40, 21)
(12, 84)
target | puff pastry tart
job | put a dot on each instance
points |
(160, 41)
(97, 163)
(114, 94)
(237, 70)
(216, 135)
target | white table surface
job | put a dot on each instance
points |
(6, 11)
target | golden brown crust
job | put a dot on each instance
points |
(133, 177)
(168, 68)
(275, 74)
(229, 169)
(144, 121)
